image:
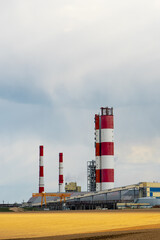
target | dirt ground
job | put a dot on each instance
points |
(143, 234)
(16, 209)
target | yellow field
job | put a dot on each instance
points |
(21, 225)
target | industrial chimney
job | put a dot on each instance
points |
(41, 170)
(104, 127)
(97, 152)
(61, 187)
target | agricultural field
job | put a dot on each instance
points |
(45, 224)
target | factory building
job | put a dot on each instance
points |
(142, 192)
(72, 187)
(109, 198)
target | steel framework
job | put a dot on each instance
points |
(91, 176)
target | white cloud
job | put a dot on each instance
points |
(140, 153)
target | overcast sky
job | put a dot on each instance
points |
(60, 61)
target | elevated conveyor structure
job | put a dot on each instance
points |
(103, 199)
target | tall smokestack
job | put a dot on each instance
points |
(61, 172)
(41, 170)
(97, 153)
(107, 149)
(104, 152)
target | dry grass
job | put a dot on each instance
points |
(28, 225)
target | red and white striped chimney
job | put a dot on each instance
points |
(97, 152)
(61, 173)
(41, 170)
(107, 149)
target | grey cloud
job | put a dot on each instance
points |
(21, 93)
(60, 62)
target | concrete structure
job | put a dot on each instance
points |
(41, 170)
(61, 186)
(104, 149)
(72, 187)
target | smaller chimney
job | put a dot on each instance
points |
(41, 170)
(61, 173)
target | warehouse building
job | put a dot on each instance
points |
(107, 198)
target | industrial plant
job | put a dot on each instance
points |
(101, 192)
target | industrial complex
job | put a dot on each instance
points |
(101, 192)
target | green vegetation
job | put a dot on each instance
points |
(5, 209)
(31, 209)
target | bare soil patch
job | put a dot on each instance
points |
(143, 234)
